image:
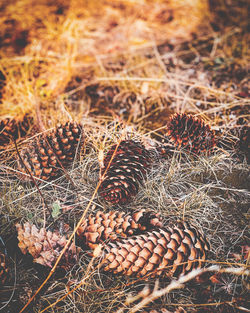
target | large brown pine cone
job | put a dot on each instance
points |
(170, 251)
(4, 268)
(13, 129)
(186, 131)
(114, 225)
(45, 246)
(47, 154)
(127, 170)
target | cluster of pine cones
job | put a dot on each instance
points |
(138, 244)
(48, 154)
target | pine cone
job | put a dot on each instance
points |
(236, 140)
(115, 224)
(127, 170)
(244, 144)
(45, 246)
(101, 96)
(157, 252)
(109, 98)
(46, 155)
(13, 129)
(190, 133)
(126, 103)
(4, 268)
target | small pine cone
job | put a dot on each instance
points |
(115, 224)
(45, 246)
(4, 268)
(109, 98)
(46, 155)
(127, 170)
(236, 140)
(244, 144)
(101, 96)
(127, 102)
(172, 251)
(190, 133)
(13, 129)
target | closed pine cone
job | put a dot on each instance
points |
(45, 246)
(46, 155)
(112, 225)
(158, 252)
(127, 170)
(13, 129)
(186, 131)
(4, 268)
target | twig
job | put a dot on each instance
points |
(177, 284)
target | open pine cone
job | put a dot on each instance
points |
(127, 170)
(114, 225)
(4, 268)
(101, 96)
(46, 155)
(45, 246)
(13, 129)
(244, 141)
(170, 251)
(236, 140)
(187, 132)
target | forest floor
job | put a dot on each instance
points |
(122, 68)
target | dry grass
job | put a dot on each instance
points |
(50, 52)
